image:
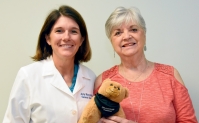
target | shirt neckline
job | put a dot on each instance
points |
(147, 79)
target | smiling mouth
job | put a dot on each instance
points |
(129, 44)
(66, 46)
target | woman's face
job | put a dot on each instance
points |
(65, 38)
(128, 39)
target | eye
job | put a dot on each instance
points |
(118, 88)
(117, 33)
(58, 30)
(111, 84)
(134, 30)
(74, 31)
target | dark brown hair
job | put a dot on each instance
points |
(44, 50)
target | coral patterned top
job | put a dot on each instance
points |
(158, 99)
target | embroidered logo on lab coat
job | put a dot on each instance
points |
(86, 95)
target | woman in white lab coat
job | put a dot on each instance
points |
(56, 87)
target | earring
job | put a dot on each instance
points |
(145, 48)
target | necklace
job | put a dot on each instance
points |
(140, 104)
(139, 74)
(141, 94)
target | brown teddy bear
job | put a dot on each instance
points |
(105, 103)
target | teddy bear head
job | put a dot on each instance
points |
(113, 90)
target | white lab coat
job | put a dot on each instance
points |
(40, 95)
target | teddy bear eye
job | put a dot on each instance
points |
(118, 88)
(111, 84)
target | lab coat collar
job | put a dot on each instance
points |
(82, 76)
(57, 81)
(49, 67)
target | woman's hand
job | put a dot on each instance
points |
(114, 119)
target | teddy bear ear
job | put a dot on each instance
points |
(108, 79)
(126, 92)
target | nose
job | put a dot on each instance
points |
(126, 36)
(66, 36)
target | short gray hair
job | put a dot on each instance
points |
(123, 15)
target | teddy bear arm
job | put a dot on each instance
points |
(91, 114)
(120, 113)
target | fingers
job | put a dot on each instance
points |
(117, 119)
(104, 120)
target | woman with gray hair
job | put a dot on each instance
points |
(156, 91)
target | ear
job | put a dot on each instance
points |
(82, 40)
(48, 39)
(126, 92)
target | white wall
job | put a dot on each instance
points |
(172, 36)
